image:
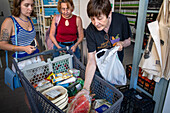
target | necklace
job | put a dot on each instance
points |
(23, 20)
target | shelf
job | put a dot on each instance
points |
(47, 27)
(152, 11)
(50, 5)
(132, 24)
(127, 6)
(47, 16)
(130, 15)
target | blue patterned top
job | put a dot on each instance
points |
(24, 38)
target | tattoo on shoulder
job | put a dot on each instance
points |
(4, 35)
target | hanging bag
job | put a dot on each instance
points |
(155, 60)
(48, 41)
(11, 78)
(110, 66)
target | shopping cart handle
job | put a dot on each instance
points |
(47, 52)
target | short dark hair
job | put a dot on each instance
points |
(98, 7)
(65, 1)
(17, 8)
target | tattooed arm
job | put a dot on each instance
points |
(7, 30)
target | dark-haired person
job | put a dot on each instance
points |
(104, 24)
(22, 10)
(26, 34)
(67, 29)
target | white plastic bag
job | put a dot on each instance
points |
(110, 66)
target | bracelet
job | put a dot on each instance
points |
(13, 47)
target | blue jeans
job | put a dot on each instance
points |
(77, 52)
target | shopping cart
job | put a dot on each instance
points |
(38, 71)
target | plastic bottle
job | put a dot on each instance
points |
(74, 88)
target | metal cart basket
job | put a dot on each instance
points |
(38, 71)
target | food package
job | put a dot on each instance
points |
(80, 104)
(44, 87)
(100, 105)
(50, 76)
(55, 93)
(75, 72)
(61, 77)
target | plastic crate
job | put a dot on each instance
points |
(143, 82)
(154, 4)
(50, 11)
(136, 102)
(123, 88)
(40, 104)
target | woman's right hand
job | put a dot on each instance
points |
(60, 48)
(82, 92)
(29, 49)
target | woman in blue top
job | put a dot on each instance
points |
(22, 10)
(26, 33)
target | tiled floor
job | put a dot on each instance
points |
(14, 102)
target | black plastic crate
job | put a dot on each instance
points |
(154, 4)
(143, 82)
(123, 88)
(136, 102)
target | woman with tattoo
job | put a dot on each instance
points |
(26, 43)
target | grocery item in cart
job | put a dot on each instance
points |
(44, 87)
(55, 93)
(100, 105)
(75, 72)
(70, 80)
(74, 88)
(50, 76)
(61, 77)
(80, 104)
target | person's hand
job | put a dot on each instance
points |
(120, 44)
(60, 48)
(82, 92)
(42, 58)
(73, 48)
(29, 49)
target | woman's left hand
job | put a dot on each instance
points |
(120, 43)
(73, 48)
